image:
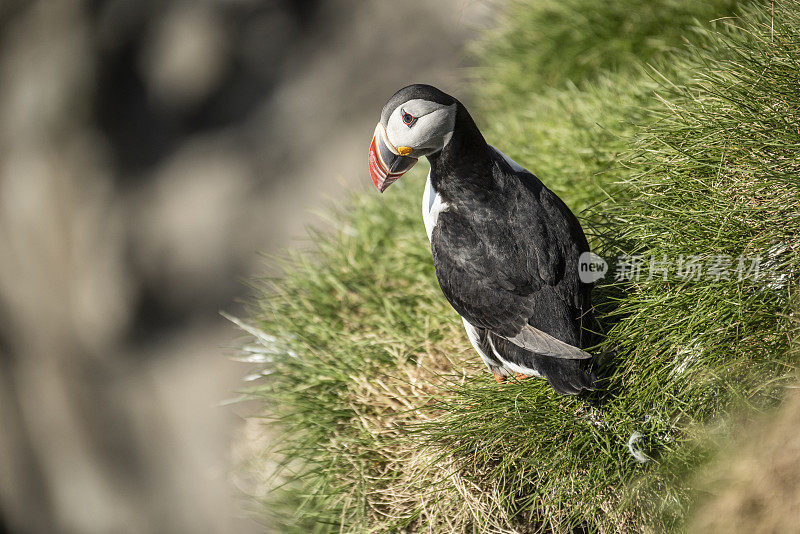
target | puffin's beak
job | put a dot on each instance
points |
(386, 164)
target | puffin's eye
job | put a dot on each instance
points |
(408, 119)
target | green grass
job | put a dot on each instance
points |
(384, 417)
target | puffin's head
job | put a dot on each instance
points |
(418, 120)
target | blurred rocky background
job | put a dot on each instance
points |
(149, 149)
(752, 486)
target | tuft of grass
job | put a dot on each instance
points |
(555, 43)
(385, 418)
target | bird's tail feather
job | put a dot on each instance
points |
(567, 377)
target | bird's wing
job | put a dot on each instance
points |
(535, 340)
(513, 268)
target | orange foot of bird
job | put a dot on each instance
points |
(520, 376)
(500, 378)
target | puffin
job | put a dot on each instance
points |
(505, 248)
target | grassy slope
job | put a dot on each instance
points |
(389, 421)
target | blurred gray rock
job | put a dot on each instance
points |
(191, 221)
(186, 54)
(149, 150)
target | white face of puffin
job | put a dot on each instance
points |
(414, 129)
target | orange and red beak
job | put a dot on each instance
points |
(386, 164)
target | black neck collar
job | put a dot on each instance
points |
(464, 164)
